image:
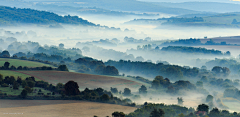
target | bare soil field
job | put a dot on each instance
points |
(83, 80)
(58, 108)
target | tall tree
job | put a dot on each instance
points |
(71, 88)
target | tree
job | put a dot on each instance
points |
(105, 97)
(24, 93)
(24, 84)
(214, 112)
(181, 115)
(110, 70)
(234, 21)
(226, 71)
(61, 45)
(118, 114)
(203, 107)
(217, 69)
(15, 85)
(127, 92)
(71, 88)
(157, 113)
(199, 84)
(30, 83)
(209, 98)
(63, 68)
(6, 65)
(180, 101)
(1, 79)
(5, 54)
(29, 90)
(114, 90)
(143, 90)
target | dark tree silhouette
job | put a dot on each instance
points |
(24, 93)
(143, 90)
(63, 68)
(127, 92)
(203, 107)
(71, 88)
(6, 65)
(157, 113)
(118, 114)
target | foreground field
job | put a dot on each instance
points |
(83, 80)
(17, 62)
(58, 108)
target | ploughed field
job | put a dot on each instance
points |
(58, 108)
(83, 80)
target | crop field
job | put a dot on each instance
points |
(83, 80)
(17, 62)
(58, 108)
(13, 73)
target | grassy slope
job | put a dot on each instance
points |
(17, 62)
(13, 73)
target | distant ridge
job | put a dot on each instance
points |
(13, 16)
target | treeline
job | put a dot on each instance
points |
(162, 110)
(89, 65)
(10, 16)
(185, 49)
(172, 88)
(149, 69)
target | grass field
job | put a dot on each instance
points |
(10, 91)
(13, 73)
(83, 80)
(17, 62)
(58, 108)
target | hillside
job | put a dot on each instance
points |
(17, 63)
(83, 80)
(57, 108)
(203, 6)
(12, 16)
(116, 5)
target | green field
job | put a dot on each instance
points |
(11, 91)
(15, 74)
(17, 62)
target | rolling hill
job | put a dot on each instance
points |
(84, 80)
(13, 16)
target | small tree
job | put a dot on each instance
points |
(63, 68)
(180, 101)
(15, 85)
(6, 65)
(209, 98)
(143, 90)
(118, 114)
(127, 92)
(105, 97)
(24, 93)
